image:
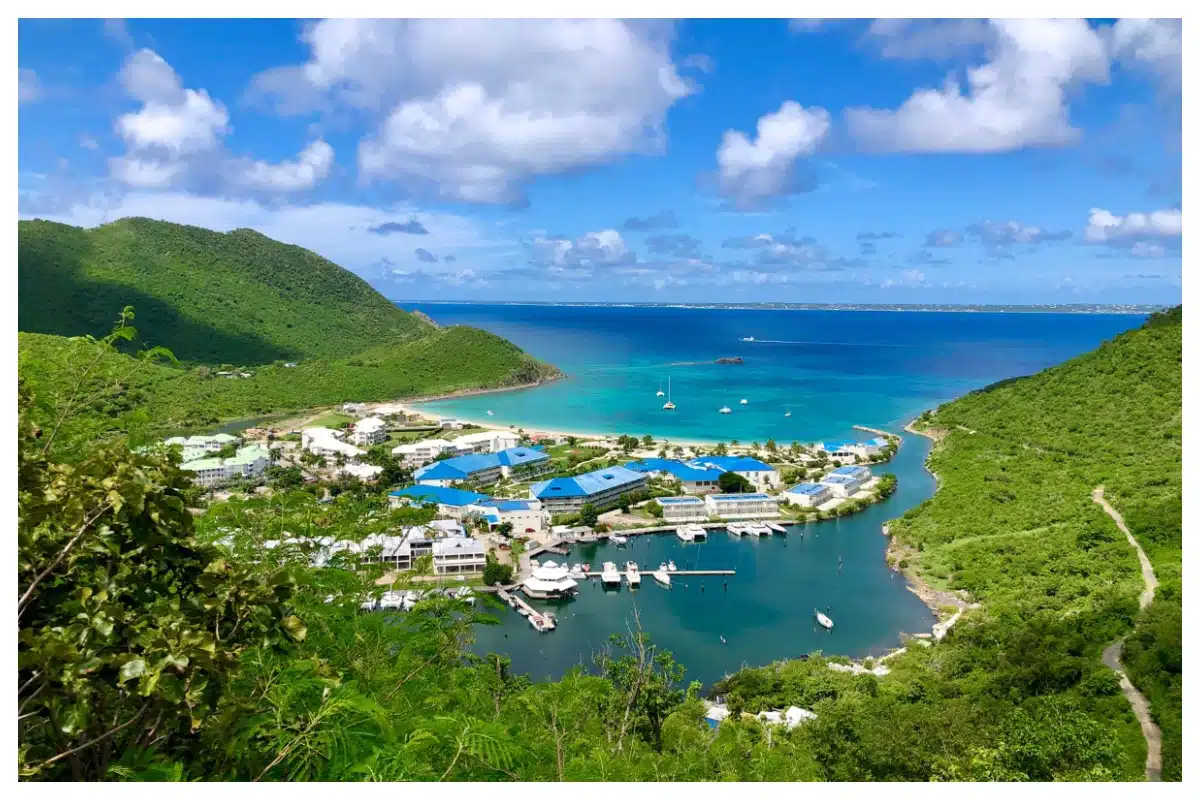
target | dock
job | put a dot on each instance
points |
(876, 431)
(648, 570)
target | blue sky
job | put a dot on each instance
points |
(887, 161)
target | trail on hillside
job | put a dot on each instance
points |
(1112, 654)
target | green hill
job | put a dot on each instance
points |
(213, 298)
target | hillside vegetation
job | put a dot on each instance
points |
(238, 300)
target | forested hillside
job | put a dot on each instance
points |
(212, 298)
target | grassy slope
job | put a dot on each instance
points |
(1013, 524)
(1018, 690)
(237, 298)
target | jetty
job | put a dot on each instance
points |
(540, 622)
(594, 574)
(876, 431)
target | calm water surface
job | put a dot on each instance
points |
(832, 369)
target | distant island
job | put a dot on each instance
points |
(1045, 308)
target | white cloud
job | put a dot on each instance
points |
(88, 142)
(927, 38)
(474, 108)
(118, 31)
(603, 248)
(1153, 44)
(1011, 232)
(1104, 226)
(1016, 99)
(306, 171)
(29, 88)
(753, 171)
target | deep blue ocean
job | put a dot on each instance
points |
(832, 370)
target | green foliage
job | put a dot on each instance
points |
(496, 573)
(588, 514)
(654, 509)
(732, 483)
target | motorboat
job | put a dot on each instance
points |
(618, 539)
(725, 410)
(543, 623)
(670, 566)
(747, 338)
(684, 534)
(777, 528)
(662, 577)
(610, 576)
(699, 534)
(632, 576)
(824, 621)
(668, 406)
(577, 572)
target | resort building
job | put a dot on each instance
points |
(369, 431)
(850, 450)
(762, 476)
(248, 463)
(482, 469)
(486, 441)
(454, 503)
(521, 463)
(450, 423)
(327, 442)
(807, 495)
(695, 480)
(602, 488)
(525, 516)
(364, 472)
(845, 481)
(683, 509)
(742, 506)
(549, 581)
(195, 447)
(418, 454)
(455, 555)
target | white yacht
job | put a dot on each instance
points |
(632, 576)
(610, 576)
(684, 534)
(618, 539)
(699, 533)
(662, 577)
(670, 566)
(823, 620)
(737, 529)
(776, 527)
(725, 410)
(668, 406)
(758, 529)
(747, 338)
(550, 581)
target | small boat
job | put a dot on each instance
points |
(777, 528)
(787, 413)
(662, 577)
(736, 529)
(670, 566)
(632, 576)
(522, 610)
(490, 414)
(660, 392)
(699, 534)
(668, 406)
(618, 540)
(725, 410)
(823, 620)
(723, 640)
(684, 534)
(747, 338)
(610, 576)
(744, 401)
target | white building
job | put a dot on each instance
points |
(742, 506)
(455, 503)
(850, 450)
(368, 431)
(327, 442)
(418, 454)
(807, 495)
(249, 462)
(454, 555)
(683, 509)
(357, 409)
(845, 481)
(364, 472)
(526, 516)
(451, 423)
(195, 447)
(486, 441)
(762, 476)
(601, 488)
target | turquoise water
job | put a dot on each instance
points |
(832, 370)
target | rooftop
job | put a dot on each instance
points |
(509, 505)
(442, 495)
(731, 464)
(587, 484)
(463, 466)
(244, 456)
(457, 545)
(807, 488)
(755, 496)
(851, 471)
(679, 501)
(676, 469)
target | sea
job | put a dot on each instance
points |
(832, 370)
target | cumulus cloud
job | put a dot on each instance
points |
(936, 39)
(787, 250)
(676, 244)
(29, 88)
(1143, 235)
(602, 248)
(943, 238)
(424, 255)
(663, 220)
(1155, 45)
(118, 31)
(472, 109)
(413, 226)
(1006, 234)
(1016, 99)
(752, 171)
(908, 278)
(177, 134)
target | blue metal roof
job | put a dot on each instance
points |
(515, 456)
(508, 505)
(838, 479)
(852, 471)
(443, 495)
(457, 468)
(678, 501)
(740, 496)
(587, 484)
(807, 488)
(676, 469)
(730, 464)
(492, 518)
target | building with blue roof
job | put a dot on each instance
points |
(845, 481)
(683, 509)
(807, 495)
(852, 449)
(602, 488)
(454, 503)
(761, 475)
(526, 516)
(756, 505)
(695, 480)
(482, 469)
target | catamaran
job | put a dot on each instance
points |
(736, 528)
(610, 576)
(632, 576)
(668, 406)
(698, 532)
(684, 534)
(758, 529)
(744, 401)
(823, 620)
(725, 410)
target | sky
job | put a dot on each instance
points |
(803, 160)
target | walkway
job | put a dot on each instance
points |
(1112, 654)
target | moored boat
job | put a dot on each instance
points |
(662, 577)
(550, 581)
(670, 566)
(684, 534)
(758, 529)
(777, 528)
(736, 528)
(824, 621)
(609, 576)
(632, 575)
(617, 539)
(699, 533)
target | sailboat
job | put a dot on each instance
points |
(668, 406)
(787, 413)
(824, 621)
(725, 410)
(660, 392)
(744, 401)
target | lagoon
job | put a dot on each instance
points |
(833, 370)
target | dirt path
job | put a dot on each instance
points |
(1112, 654)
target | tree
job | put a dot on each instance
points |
(721, 449)
(505, 529)
(646, 680)
(732, 483)
(623, 503)
(654, 509)
(771, 446)
(647, 441)
(285, 477)
(226, 451)
(496, 573)
(572, 441)
(588, 514)
(627, 443)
